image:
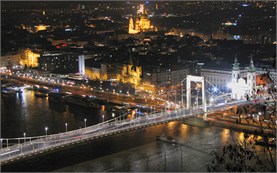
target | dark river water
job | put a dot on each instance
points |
(133, 151)
(25, 113)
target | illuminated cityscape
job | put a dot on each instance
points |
(138, 86)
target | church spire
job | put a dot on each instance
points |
(236, 64)
(143, 10)
(251, 65)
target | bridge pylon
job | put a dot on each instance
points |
(191, 78)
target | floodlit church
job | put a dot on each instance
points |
(142, 22)
(243, 86)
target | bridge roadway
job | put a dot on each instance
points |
(19, 148)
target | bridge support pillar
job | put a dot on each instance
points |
(204, 101)
(188, 94)
(196, 79)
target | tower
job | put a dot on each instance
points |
(81, 63)
(235, 77)
(235, 71)
(251, 78)
(131, 26)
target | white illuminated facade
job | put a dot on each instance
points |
(243, 86)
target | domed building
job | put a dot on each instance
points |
(142, 23)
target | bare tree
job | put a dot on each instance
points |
(242, 156)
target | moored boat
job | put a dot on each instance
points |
(80, 101)
(39, 94)
(56, 97)
(166, 139)
(8, 92)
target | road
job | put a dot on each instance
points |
(114, 97)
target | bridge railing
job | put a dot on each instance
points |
(18, 142)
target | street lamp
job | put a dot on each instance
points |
(24, 134)
(113, 115)
(215, 89)
(46, 128)
(65, 127)
(103, 117)
(85, 122)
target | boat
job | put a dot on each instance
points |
(40, 94)
(8, 92)
(166, 139)
(80, 101)
(56, 97)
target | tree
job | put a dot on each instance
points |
(243, 156)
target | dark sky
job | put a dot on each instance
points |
(49, 4)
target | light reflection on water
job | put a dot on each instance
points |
(225, 135)
(196, 144)
(25, 113)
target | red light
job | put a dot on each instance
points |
(64, 44)
(58, 47)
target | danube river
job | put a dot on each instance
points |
(133, 151)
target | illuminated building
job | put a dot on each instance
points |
(131, 74)
(142, 23)
(95, 70)
(29, 58)
(61, 62)
(93, 73)
(243, 86)
(127, 73)
(218, 77)
(164, 75)
(241, 80)
(41, 27)
(22, 57)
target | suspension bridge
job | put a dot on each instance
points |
(13, 149)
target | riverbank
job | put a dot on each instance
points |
(229, 122)
(226, 120)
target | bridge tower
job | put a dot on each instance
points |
(196, 79)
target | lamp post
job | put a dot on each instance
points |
(182, 96)
(65, 127)
(24, 134)
(85, 120)
(46, 128)
(181, 159)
